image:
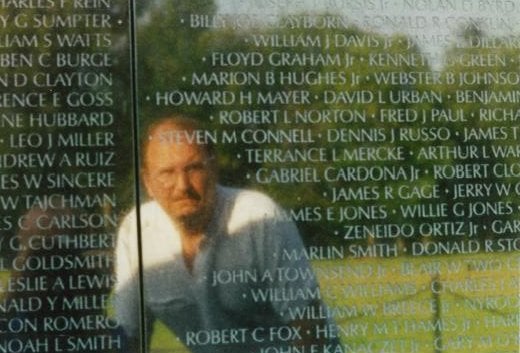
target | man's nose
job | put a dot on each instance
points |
(182, 181)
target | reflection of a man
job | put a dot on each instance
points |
(213, 256)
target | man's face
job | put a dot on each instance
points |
(181, 178)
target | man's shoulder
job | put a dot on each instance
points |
(247, 206)
(145, 209)
(149, 213)
(247, 198)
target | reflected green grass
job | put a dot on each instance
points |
(452, 304)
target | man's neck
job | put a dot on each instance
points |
(190, 248)
(192, 232)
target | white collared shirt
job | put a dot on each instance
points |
(243, 255)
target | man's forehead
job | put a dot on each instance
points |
(170, 146)
(174, 148)
(170, 132)
(197, 137)
(171, 139)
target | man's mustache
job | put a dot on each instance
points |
(188, 195)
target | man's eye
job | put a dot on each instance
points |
(165, 175)
(195, 168)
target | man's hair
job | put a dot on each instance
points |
(179, 123)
